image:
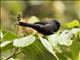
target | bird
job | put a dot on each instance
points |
(44, 27)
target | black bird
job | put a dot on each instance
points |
(46, 27)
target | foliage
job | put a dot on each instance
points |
(58, 46)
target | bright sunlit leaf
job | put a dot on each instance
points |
(48, 46)
(66, 35)
(5, 43)
(25, 41)
(65, 38)
(75, 30)
(53, 39)
(1, 35)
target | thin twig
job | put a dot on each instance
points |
(18, 19)
(17, 28)
(14, 53)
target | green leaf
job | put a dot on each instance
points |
(25, 41)
(75, 49)
(6, 45)
(48, 46)
(74, 23)
(62, 56)
(37, 51)
(9, 36)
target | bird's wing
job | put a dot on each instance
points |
(42, 23)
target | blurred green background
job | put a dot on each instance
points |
(62, 10)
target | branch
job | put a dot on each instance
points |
(14, 53)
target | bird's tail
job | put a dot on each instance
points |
(26, 24)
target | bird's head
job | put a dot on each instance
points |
(57, 22)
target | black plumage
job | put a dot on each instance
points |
(46, 27)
